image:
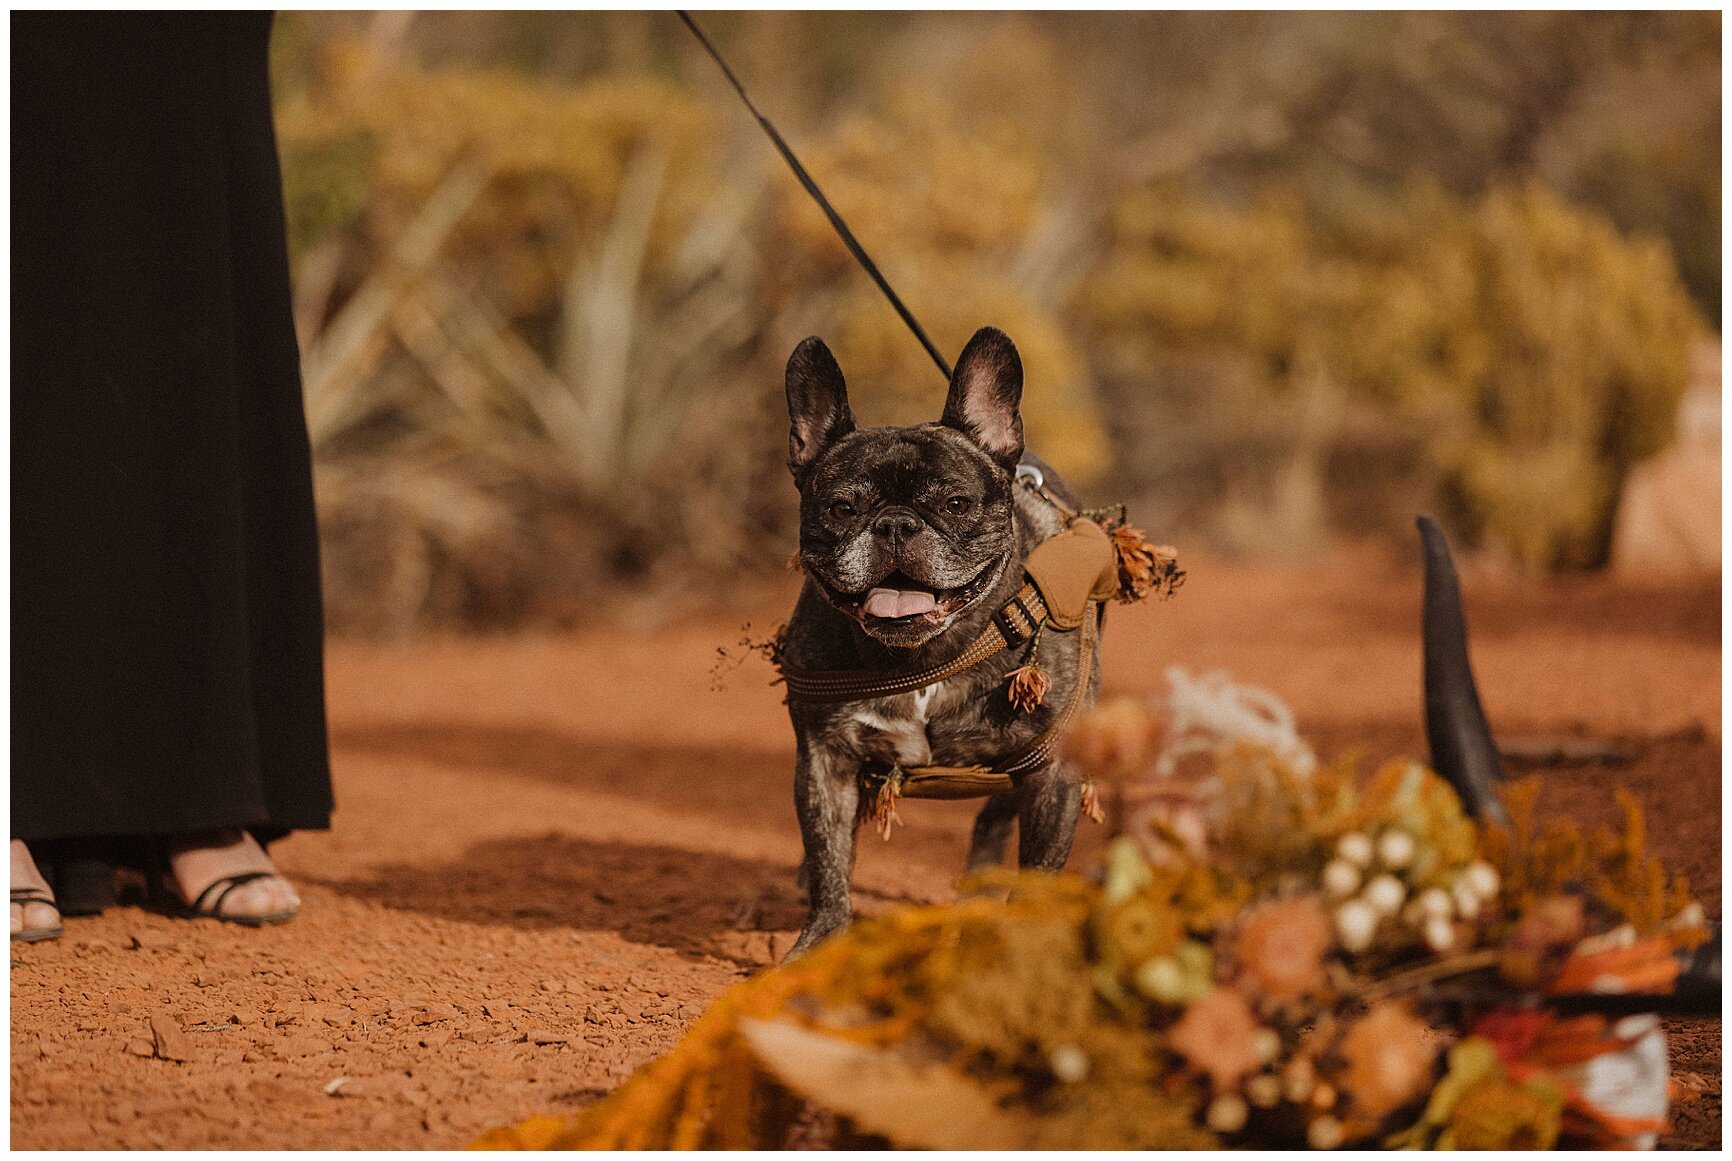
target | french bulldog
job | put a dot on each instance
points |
(911, 539)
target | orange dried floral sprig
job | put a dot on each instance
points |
(1144, 568)
(1091, 802)
(1028, 684)
(1538, 859)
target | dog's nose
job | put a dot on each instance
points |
(896, 524)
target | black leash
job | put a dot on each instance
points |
(842, 229)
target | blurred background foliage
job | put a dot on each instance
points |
(1275, 277)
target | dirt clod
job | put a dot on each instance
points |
(168, 1041)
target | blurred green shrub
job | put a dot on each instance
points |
(956, 200)
(544, 331)
(1273, 276)
(1539, 353)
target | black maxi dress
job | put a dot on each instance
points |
(166, 620)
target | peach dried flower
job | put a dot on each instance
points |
(1143, 567)
(1217, 1035)
(1281, 947)
(1029, 685)
(1390, 1058)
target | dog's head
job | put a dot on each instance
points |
(904, 528)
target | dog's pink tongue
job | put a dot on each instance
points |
(897, 603)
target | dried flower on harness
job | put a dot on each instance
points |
(1143, 568)
(1091, 802)
(1028, 687)
(1028, 684)
(885, 788)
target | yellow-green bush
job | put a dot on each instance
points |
(636, 284)
(949, 185)
(1271, 276)
(1537, 353)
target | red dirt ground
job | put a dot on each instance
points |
(550, 853)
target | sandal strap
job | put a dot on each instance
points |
(33, 895)
(222, 888)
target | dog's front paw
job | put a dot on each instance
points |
(817, 930)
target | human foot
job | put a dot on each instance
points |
(34, 915)
(225, 874)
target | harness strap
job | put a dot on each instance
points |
(1010, 626)
(883, 789)
(1047, 744)
(924, 781)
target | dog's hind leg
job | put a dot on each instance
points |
(992, 831)
(1051, 802)
(827, 800)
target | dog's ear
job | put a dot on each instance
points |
(818, 412)
(985, 394)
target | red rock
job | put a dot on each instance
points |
(169, 1042)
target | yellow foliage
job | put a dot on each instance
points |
(558, 155)
(1540, 352)
(949, 196)
(1005, 984)
(1536, 859)
(1511, 356)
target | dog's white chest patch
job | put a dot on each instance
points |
(922, 700)
(905, 735)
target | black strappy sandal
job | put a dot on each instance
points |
(24, 896)
(166, 896)
(209, 903)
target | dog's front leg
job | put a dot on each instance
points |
(827, 799)
(991, 837)
(1046, 825)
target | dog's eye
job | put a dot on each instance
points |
(841, 510)
(959, 504)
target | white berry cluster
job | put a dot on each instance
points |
(1370, 880)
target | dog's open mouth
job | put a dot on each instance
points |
(900, 599)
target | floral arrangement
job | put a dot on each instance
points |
(1274, 953)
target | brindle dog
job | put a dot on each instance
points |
(911, 539)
